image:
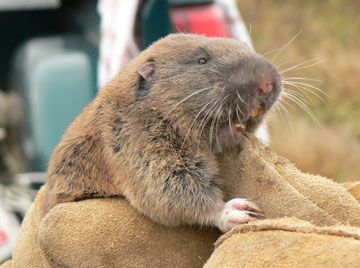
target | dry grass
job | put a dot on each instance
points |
(329, 31)
(332, 151)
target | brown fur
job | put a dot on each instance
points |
(127, 143)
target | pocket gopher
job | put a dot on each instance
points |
(152, 133)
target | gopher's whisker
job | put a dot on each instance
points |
(216, 115)
(270, 51)
(193, 122)
(282, 64)
(241, 99)
(213, 121)
(217, 123)
(230, 124)
(302, 105)
(291, 78)
(206, 118)
(308, 100)
(184, 99)
(306, 85)
(297, 65)
(304, 90)
(285, 46)
(237, 112)
(285, 114)
(301, 66)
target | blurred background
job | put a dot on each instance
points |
(55, 55)
(329, 38)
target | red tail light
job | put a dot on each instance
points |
(207, 19)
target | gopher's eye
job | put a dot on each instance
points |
(202, 61)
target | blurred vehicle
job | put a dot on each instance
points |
(55, 75)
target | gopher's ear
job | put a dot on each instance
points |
(146, 70)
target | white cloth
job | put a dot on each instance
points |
(117, 44)
(237, 25)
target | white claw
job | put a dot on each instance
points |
(235, 212)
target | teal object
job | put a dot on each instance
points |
(55, 84)
(155, 18)
(60, 89)
(189, 2)
(155, 21)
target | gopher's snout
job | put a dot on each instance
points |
(265, 84)
(253, 85)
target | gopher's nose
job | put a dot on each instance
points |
(265, 84)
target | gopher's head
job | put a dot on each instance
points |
(218, 86)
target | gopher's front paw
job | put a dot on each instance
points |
(237, 211)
